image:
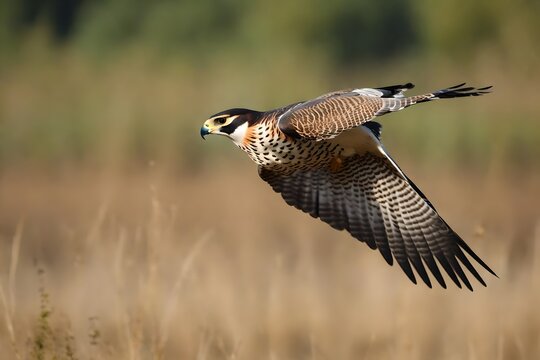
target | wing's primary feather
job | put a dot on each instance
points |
(326, 116)
(375, 204)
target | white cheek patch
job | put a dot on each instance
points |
(239, 133)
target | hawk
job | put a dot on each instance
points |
(325, 157)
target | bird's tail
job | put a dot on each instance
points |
(396, 104)
(451, 92)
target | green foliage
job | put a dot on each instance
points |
(346, 31)
(48, 342)
(359, 31)
(342, 33)
(130, 81)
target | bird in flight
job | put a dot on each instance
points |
(325, 157)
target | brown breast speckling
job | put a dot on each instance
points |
(267, 146)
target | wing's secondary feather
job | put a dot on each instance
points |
(368, 198)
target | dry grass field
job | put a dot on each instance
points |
(124, 236)
(155, 265)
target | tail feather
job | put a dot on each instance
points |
(395, 103)
(457, 91)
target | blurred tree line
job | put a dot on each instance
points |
(344, 32)
(92, 81)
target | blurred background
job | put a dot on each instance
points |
(124, 235)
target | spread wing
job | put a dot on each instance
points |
(327, 116)
(371, 199)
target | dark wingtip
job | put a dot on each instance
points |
(455, 86)
(472, 254)
(461, 91)
(393, 90)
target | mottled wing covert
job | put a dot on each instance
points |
(329, 115)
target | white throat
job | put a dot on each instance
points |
(238, 135)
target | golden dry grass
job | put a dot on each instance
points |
(213, 265)
(124, 236)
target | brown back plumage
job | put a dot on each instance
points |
(329, 115)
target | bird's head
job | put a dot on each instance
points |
(232, 123)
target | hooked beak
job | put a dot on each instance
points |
(204, 131)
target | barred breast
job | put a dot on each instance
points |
(267, 146)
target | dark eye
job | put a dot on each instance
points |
(221, 121)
